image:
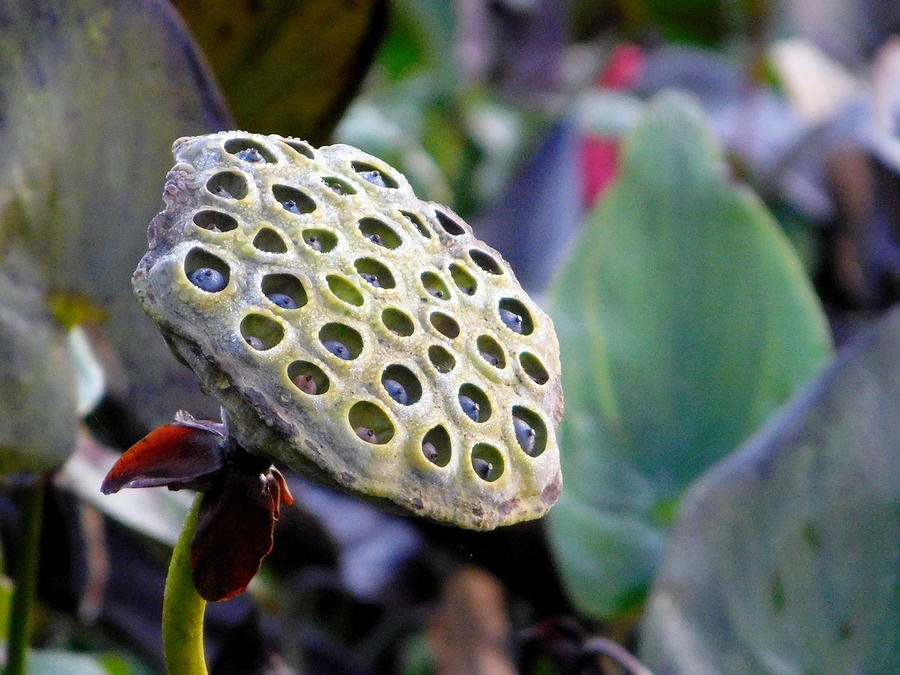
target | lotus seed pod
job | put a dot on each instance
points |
(354, 332)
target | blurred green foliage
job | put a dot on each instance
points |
(684, 319)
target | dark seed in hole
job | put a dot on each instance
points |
(255, 342)
(313, 242)
(250, 155)
(373, 237)
(371, 278)
(207, 279)
(482, 467)
(430, 452)
(436, 292)
(222, 192)
(282, 300)
(291, 205)
(490, 358)
(396, 391)
(374, 177)
(512, 320)
(306, 383)
(469, 407)
(524, 434)
(366, 434)
(339, 349)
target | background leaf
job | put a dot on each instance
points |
(93, 93)
(37, 378)
(288, 67)
(684, 319)
(536, 218)
(784, 559)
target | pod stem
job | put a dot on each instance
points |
(183, 608)
(28, 553)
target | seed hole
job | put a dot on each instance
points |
(379, 233)
(436, 446)
(284, 290)
(417, 222)
(228, 184)
(446, 325)
(374, 272)
(515, 316)
(474, 403)
(463, 280)
(491, 351)
(397, 322)
(206, 271)
(485, 262)
(450, 225)
(401, 384)
(435, 286)
(320, 240)
(302, 148)
(487, 462)
(376, 177)
(370, 423)
(441, 359)
(261, 332)
(269, 240)
(293, 200)
(308, 377)
(530, 430)
(248, 150)
(344, 289)
(338, 186)
(533, 367)
(341, 341)
(215, 221)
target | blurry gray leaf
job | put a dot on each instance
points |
(848, 29)
(540, 213)
(60, 662)
(37, 380)
(93, 94)
(373, 545)
(784, 558)
(515, 45)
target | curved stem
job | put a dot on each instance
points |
(183, 608)
(28, 554)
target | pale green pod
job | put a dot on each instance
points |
(348, 328)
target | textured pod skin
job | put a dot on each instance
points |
(275, 216)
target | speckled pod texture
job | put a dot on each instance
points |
(353, 331)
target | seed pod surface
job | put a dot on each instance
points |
(355, 332)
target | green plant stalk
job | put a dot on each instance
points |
(183, 608)
(26, 579)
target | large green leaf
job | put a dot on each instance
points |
(92, 93)
(288, 67)
(684, 319)
(784, 558)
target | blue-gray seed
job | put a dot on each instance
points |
(207, 279)
(469, 407)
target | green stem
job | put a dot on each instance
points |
(183, 608)
(28, 554)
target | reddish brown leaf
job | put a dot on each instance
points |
(234, 533)
(174, 455)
